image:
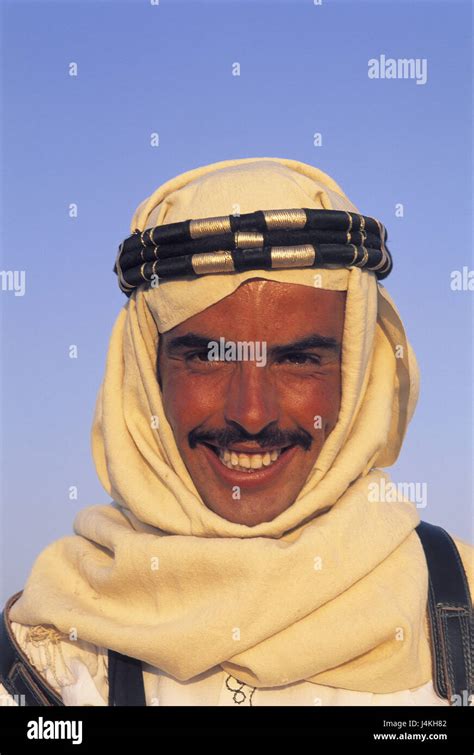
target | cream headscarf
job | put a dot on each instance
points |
(334, 589)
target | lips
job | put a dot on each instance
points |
(248, 477)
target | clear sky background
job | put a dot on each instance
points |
(167, 68)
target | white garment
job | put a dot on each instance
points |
(77, 671)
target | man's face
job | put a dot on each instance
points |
(249, 433)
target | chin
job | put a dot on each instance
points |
(248, 512)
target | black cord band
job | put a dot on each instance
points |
(265, 239)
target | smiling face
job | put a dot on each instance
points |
(250, 425)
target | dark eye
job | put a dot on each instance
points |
(201, 356)
(301, 358)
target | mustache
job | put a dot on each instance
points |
(267, 438)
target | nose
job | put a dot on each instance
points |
(252, 399)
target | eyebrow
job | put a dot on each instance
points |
(312, 341)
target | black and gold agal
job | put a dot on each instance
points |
(267, 239)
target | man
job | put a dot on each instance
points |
(258, 380)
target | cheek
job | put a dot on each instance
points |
(309, 399)
(187, 400)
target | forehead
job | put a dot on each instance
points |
(266, 309)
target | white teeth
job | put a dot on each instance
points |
(247, 462)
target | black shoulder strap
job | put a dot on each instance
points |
(450, 615)
(18, 676)
(126, 685)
